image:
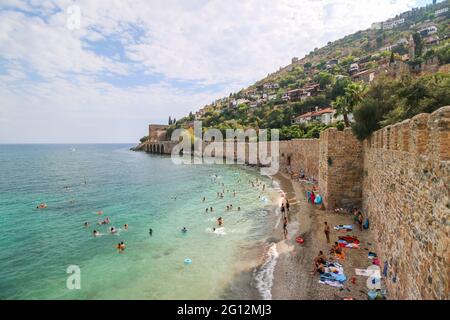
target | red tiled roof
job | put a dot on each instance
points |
(316, 113)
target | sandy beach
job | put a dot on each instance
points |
(292, 274)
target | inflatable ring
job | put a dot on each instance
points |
(299, 240)
(187, 261)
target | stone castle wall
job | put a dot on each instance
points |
(406, 183)
(301, 155)
(340, 168)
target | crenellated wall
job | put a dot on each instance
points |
(406, 196)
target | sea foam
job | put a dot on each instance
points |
(264, 275)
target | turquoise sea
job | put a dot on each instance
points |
(134, 188)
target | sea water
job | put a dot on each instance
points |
(142, 190)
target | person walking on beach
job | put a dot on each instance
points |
(283, 209)
(360, 221)
(287, 205)
(285, 224)
(327, 231)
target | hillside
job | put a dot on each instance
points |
(336, 85)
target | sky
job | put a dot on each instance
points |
(99, 71)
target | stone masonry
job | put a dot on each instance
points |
(406, 196)
(340, 168)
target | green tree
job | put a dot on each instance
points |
(389, 101)
(339, 87)
(342, 108)
(419, 43)
(344, 105)
(323, 78)
(443, 54)
(392, 59)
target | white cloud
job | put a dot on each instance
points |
(51, 76)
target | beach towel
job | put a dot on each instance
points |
(352, 246)
(339, 277)
(363, 272)
(331, 283)
(343, 227)
(349, 239)
(368, 272)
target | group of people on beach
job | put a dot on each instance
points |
(336, 251)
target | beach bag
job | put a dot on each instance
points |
(366, 224)
(318, 200)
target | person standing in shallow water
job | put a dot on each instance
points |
(150, 232)
(326, 230)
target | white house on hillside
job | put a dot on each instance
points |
(325, 116)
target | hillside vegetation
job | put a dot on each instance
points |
(366, 80)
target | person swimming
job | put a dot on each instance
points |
(184, 230)
(42, 206)
(120, 247)
(106, 221)
(86, 224)
(125, 226)
(113, 230)
(220, 221)
(95, 233)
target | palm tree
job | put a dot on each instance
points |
(354, 94)
(341, 107)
